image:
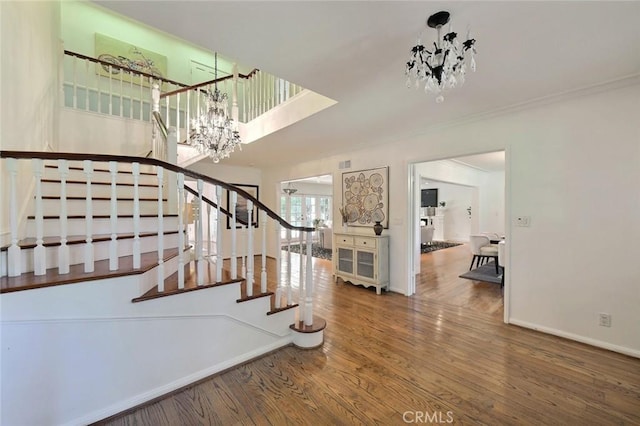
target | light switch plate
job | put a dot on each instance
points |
(523, 220)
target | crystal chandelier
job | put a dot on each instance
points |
(214, 133)
(445, 65)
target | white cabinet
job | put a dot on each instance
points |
(362, 259)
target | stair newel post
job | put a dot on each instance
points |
(234, 261)
(249, 275)
(160, 278)
(263, 257)
(63, 250)
(39, 253)
(181, 204)
(301, 280)
(200, 261)
(278, 228)
(88, 246)
(218, 234)
(289, 266)
(308, 288)
(135, 168)
(14, 258)
(235, 113)
(113, 244)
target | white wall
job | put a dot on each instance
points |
(557, 155)
(457, 222)
(29, 45)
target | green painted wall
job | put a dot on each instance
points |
(81, 20)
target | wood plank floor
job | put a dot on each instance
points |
(443, 354)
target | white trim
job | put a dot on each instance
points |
(177, 384)
(578, 338)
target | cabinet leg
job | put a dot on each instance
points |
(378, 291)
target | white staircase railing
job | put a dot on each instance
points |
(94, 221)
(108, 88)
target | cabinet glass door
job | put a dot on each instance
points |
(345, 260)
(365, 264)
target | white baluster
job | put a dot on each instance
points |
(181, 204)
(200, 261)
(110, 92)
(113, 244)
(75, 84)
(88, 247)
(86, 85)
(234, 262)
(178, 116)
(141, 96)
(249, 275)
(187, 115)
(131, 97)
(208, 232)
(263, 272)
(218, 234)
(308, 308)
(98, 84)
(135, 168)
(243, 269)
(121, 95)
(160, 277)
(39, 253)
(63, 250)
(14, 258)
(278, 264)
(289, 280)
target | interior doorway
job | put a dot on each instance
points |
(471, 194)
(307, 202)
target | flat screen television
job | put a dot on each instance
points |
(429, 197)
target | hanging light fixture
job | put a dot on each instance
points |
(445, 65)
(213, 132)
(289, 189)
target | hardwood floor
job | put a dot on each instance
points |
(443, 355)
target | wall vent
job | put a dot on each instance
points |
(344, 164)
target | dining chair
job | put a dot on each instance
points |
(482, 251)
(501, 249)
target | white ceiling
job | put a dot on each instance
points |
(354, 52)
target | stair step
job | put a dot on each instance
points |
(190, 282)
(76, 224)
(76, 273)
(29, 243)
(98, 169)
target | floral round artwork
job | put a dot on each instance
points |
(364, 198)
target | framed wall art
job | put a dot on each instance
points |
(242, 212)
(365, 197)
(127, 55)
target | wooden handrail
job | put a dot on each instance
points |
(98, 61)
(206, 83)
(71, 156)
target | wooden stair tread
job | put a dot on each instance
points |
(57, 197)
(150, 185)
(190, 282)
(53, 166)
(29, 243)
(106, 216)
(28, 280)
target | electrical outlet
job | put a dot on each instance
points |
(523, 220)
(605, 319)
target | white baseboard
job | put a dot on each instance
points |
(177, 384)
(582, 339)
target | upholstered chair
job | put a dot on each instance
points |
(482, 251)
